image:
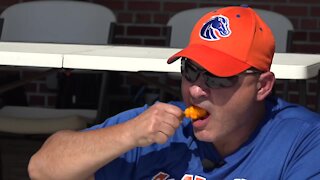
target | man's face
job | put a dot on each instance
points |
(228, 107)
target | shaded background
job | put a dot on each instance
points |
(143, 22)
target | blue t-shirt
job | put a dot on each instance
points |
(285, 146)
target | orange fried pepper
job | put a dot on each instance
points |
(194, 112)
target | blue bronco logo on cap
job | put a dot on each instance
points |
(216, 25)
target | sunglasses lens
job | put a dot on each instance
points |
(220, 82)
(190, 72)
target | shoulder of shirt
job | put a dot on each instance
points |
(285, 111)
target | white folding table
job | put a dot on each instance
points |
(135, 59)
(132, 58)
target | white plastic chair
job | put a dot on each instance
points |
(182, 24)
(58, 22)
(53, 22)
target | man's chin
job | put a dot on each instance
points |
(203, 135)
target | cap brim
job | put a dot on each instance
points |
(216, 62)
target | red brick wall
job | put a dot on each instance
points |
(143, 22)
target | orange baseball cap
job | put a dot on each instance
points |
(230, 40)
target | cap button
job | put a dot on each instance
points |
(244, 5)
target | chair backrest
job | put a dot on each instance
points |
(55, 21)
(182, 23)
(58, 22)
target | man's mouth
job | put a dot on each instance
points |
(201, 118)
(196, 113)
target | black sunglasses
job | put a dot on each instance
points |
(191, 72)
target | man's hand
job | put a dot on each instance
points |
(156, 124)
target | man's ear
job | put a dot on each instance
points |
(265, 85)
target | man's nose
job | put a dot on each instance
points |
(198, 88)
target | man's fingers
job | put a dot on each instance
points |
(167, 129)
(161, 137)
(171, 109)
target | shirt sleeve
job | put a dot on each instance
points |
(119, 118)
(125, 166)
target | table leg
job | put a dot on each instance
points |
(285, 94)
(102, 107)
(302, 92)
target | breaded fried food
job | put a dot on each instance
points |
(194, 112)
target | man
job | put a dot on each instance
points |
(246, 134)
